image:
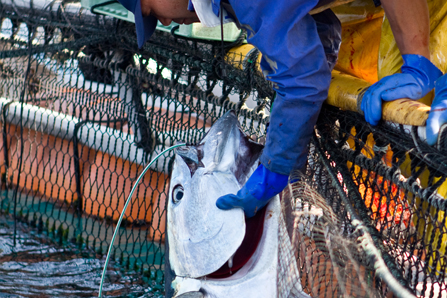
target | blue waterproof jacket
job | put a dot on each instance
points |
(293, 58)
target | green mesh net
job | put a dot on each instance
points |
(83, 110)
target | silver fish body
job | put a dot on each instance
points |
(201, 237)
(256, 279)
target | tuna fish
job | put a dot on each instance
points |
(211, 252)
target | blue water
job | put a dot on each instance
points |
(36, 267)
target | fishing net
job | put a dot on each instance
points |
(83, 110)
(367, 219)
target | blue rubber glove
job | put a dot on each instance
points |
(438, 112)
(416, 80)
(259, 189)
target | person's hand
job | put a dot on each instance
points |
(416, 80)
(438, 112)
(259, 189)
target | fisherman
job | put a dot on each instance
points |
(294, 60)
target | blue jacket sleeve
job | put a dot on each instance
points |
(294, 60)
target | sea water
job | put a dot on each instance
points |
(31, 265)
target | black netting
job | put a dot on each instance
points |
(83, 110)
(382, 182)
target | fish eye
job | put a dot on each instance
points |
(177, 194)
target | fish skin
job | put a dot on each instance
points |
(199, 236)
(256, 279)
(198, 231)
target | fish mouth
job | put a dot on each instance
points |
(254, 228)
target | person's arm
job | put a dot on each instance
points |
(409, 21)
(410, 24)
(293, 59)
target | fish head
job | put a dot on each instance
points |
(202, 237)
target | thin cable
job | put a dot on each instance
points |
(124, 211)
